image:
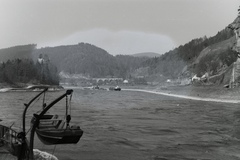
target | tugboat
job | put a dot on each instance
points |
(117, 88)
(49, 128)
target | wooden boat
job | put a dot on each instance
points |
(51, 130)
(60, 136)
(56, 131)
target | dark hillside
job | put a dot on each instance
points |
(215, 58)
(20, 52)
(23, 71)
(127, 64)
(83, 58)
(181, 62)
(89, 60)
(17, 67)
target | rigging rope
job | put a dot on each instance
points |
(54, 150)
(43, 103)
(42, 146)
(29, 129)
(66, 105)
(67, 117)
(70, 104)
(37, 111)
(35, 102)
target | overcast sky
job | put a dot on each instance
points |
(118, 26)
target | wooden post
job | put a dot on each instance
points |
(232, 80)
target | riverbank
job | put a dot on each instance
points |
(209, 92)
(216, 92)
(4, 87)
(212, 92)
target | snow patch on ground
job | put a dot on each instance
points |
(186, 97)
(40, 155)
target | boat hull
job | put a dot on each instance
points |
(59, 136)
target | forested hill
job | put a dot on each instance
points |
(82, 58)
(89, 60)
(18, 68)
(17, 52)
(199, 56)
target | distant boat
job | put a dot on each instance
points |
(95, 87)
(117, 88)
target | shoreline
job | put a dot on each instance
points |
(185, 96)
(202, 93)
(28, 87)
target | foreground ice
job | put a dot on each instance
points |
(5, 89)
(40, 155)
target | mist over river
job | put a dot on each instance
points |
(130, 125)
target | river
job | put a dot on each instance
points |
(138, 126)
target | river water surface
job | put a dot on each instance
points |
(130, 125)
